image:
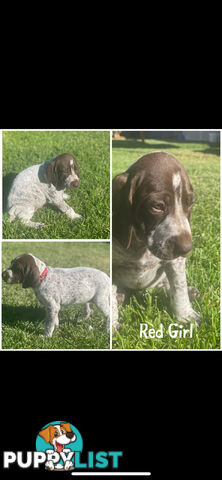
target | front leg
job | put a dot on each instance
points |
(50, 465)
(66, 197)
(57, 199)
(115, 323)
(64, 208)
(52, 319)
(176, 274)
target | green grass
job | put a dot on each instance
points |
(202, 162)
(91, 199)
(23, 315)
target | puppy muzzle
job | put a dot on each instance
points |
(71, 182)
(74, 184)
(7, 276)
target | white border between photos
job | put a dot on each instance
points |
(95, 240)
(1, 210)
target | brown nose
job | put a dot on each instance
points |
(5, 275)
(74, 184)
(182, 244)
(69, 435)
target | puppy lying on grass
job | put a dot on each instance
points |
(43, 184)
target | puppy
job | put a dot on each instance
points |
(43, 184)
(58, 436)
(55, 287)
(152, 204)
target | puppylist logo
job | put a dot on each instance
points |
(59, 446)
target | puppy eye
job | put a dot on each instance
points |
(189, 205)
(158, 208)
(190, 200)
(62, 431)
(56, 434)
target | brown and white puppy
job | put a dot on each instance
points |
(57, 287)
(62, 172)
(43, 184)
(24, 270)
(152, 203)
(59, 436)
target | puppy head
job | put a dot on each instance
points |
(152, 204)
(58, 435)
(63, 172)
(23, 269)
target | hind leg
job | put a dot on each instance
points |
(88, 310)
(24, 213)
(102, 302)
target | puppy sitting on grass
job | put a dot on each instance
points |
(43, 184)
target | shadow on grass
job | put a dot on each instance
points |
(14, 316)
(6, 184)
(139, 144)
(210, 150)
(74, 316)
(158, 296)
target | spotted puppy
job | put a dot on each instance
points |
(43, 184)
(152, 203)
(55, 287)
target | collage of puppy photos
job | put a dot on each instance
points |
(110, 240)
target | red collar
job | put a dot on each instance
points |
(43, 274)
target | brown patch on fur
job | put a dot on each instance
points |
(147, 181)
(59, 169)
(25, 271)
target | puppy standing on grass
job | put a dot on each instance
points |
(55, 287)
(43, 184)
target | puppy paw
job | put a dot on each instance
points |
(71, 214)
(193, 293)
(195, 317)
(191, 316)
(36, 225)
(69, 465)
(121, 297)
(115, 325)
(46, 335)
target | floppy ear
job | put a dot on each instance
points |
(124, 188)
(76, 167)
(31, 277)
(47, 433)
(51, 173)
(66, 426)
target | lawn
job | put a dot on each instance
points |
(91, 199)
(202, 162)
(23, 315)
